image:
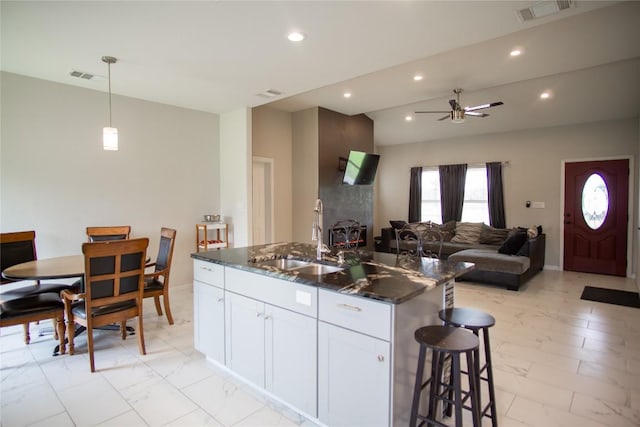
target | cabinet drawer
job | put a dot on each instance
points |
(358, 314)
(293, 296)
(208, 272)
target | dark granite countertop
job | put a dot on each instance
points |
(375, 275)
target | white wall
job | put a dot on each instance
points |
(272, 138)
(235, 174)
(57, 179)
(533, 173)
(305, 172)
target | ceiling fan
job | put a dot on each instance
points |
(457, 113)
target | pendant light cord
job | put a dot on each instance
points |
(109, 64)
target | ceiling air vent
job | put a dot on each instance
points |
(543, 8)
(81, 75)
(269, 93)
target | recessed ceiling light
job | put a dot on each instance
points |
(295, 36)
(515, 52)
(408, 118)
(347, 95)
(418, 77)
(545, 95)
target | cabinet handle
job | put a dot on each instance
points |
(220, 299)
(259, 314)
(267, 317)
(380, 358)
(349, 307)
(206, 268)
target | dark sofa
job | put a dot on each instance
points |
(511, 271)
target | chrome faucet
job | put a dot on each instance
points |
(316, 233)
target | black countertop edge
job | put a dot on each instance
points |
(375, 275)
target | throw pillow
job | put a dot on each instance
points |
(448, 230)
(493, 236)
(398, 224)
(467, 232)
(514, 242)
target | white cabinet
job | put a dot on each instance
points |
(354, 366)
(353, 378)
(273, 347)
(291, 358)
(208, 310)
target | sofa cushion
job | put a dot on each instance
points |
(397, 224)
(448, 230)
(490, 260)
(514, 242)
(467, 232)
(493, 236)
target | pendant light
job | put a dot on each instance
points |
(110, 134)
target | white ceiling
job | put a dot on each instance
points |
(217, 56)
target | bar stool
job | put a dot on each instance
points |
(476, 320)
(445, 341)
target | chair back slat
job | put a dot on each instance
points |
(165, 249)
(16, 248)
(104, 234)
(114, 271)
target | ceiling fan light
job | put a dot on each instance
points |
(457, 116)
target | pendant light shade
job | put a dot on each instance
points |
(110, 138)
(109, 134)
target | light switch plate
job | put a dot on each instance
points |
(537, 205)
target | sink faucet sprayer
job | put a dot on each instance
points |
(317, 230)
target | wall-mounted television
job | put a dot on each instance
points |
(360, 168)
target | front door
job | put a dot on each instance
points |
(595, 216)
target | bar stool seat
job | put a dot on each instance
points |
(476, 321)
(445, 341)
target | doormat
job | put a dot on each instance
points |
(611, 296)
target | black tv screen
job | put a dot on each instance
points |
(361, 168)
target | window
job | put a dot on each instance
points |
(431, 195)
(476, 204)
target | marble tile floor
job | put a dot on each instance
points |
(558, 361)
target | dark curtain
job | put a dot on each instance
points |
(495, 195)
(452, 179)
(415, 195)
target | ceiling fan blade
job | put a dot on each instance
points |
(474, 114)
(448, 116)
(483, 106)
(421, 112)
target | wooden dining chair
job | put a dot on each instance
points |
(114, 285)
(156, 284)
(33, 308)
(101, 234)
(20, 301)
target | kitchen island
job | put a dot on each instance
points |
(332, 339)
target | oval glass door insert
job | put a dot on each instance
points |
(595, 201)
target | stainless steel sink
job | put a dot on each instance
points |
(302, 267)
(285, 264)
(317, 269)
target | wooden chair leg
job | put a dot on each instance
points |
(92, 364)
(71, 329)
(123, 330)
(27, 337)
(140, 332)
(167, 308)
(54, 324)
(60, 332)
(156, 300)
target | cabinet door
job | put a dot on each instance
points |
(353, 378)
(245, 337)
(208, 313)
(291, 357)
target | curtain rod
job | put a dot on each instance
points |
(477, 164)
